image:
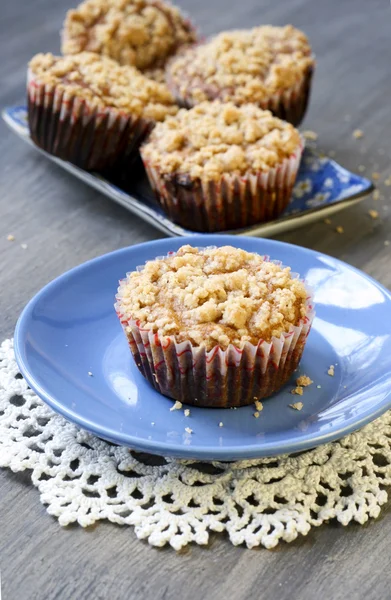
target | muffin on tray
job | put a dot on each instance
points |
(142, 33)
(91, 111)
(216, 327)
(218, 166)
(269, 66)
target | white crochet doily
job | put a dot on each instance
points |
(257, 502)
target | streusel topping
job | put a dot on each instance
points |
(103, 83)
(213, 297)
(243, 65)
(214, 138)
(142, 33)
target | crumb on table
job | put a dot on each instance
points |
(373, 213)
(339, 229)
(310, 135)
(327, 221)
(10, 238)
(375, 175)
(358, 133)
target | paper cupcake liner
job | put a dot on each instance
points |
(218, 378)
(230, 203)
(64, 125)
(289, 105)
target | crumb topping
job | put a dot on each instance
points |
(104, 83)
(142, 33)
(215, 138)
(242, 65)
(213, 297)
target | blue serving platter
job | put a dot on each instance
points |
(323, 188)
(72, 351)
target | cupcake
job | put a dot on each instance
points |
(269, 66)
(142, 33)
(218, 166)
(89, 110)
(216, 327)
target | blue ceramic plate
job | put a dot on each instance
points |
(70, 329)
(323, 188)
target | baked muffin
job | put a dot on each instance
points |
(142, 33)
(216, 327)
(269, 66)
(218, 166)
(89, 110)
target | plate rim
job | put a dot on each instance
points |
(162, 448)
(164, 223)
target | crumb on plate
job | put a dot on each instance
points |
(256, 414)
(297, 405)
(331, 371)
(187, 412)
(221, 424)
(258, 405)
(188, 430)
(373, 213)
(10, 238)
(303, 381)
(297, 390)
(176, 406)
(358, 133)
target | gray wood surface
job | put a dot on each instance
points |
(64, 223)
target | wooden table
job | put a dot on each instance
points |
(65, 223)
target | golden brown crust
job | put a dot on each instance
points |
(103, 83)
(213, 139)
(213, 297)
(142, 33)
(242, 66)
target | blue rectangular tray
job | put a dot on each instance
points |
(322, 188)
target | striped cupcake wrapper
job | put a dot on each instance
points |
(230, 203)
(64, 125)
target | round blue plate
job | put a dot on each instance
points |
(69, 329)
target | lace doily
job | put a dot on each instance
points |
(257, 502)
